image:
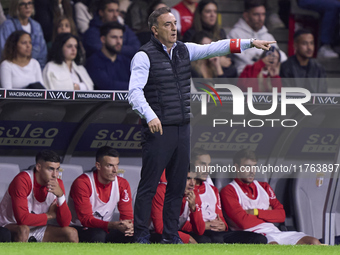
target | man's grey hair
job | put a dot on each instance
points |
(152, 21)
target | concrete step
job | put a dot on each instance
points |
(229, 19)
(230, 6)
(331, 64)
(280, 35)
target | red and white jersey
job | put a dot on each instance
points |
(34, 206)
(261, 201)
(186, 17)
(101, 210)
(209, 201)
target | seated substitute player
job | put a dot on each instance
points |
(190, 219)
(94, 197)
(216, 228)
(252, 206)
(34, 200)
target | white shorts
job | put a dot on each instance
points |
(38, 233)
(273, 234)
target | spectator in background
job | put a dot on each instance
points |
(273, 20)
(205, 19)
(18, 69)
(34, 206)
(20, 12)
(329, 11)
(66, 25)
(63, 71)
(108, 11)
(94, 197)
(252, 206)
(190, 219)
(2, 15)
(263, 74)
(145, 34)
(48, 12)
(184, 14)
(251, 25)
(302, 65)
(212, 67)
(84, 11)
(109, 69)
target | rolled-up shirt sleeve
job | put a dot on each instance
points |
(140, 66)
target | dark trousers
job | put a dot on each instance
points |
(5, 235)
(98, 235)
(170, 151)
(229, 237)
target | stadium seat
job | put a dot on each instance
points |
(132, 175)
(309, 199)
(7, 173)
(69, 174)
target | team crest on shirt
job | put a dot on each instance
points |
(198, 207)
(272, 194)
(126, 196)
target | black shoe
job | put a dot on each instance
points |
(174, 240)
(143, 239)
(32, 239)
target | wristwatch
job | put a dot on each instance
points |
(251, 42)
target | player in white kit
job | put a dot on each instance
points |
(252, 206)
(34, 207)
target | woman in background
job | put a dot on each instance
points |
(20, 12)
(18, 69)
(205, 19)
(66, 25)
(264, 73)
(63, 71)
(212, 67)
(47, 12)
(84, 11)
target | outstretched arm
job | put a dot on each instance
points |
(224, 47)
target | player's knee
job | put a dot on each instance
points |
(22, 233)
(309, 240)
(72, 235)
(314, 241)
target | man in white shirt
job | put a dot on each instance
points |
(159, 91)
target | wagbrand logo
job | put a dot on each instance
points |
(238, 100)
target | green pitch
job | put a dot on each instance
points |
(158, 249)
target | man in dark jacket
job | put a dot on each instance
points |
(108, 68)
(302, 67)
(108, 11)
(159, 91)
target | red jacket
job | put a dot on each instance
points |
(20, 188)
(81, 193)
(196, 223)
(233, 209)
(252, 71)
